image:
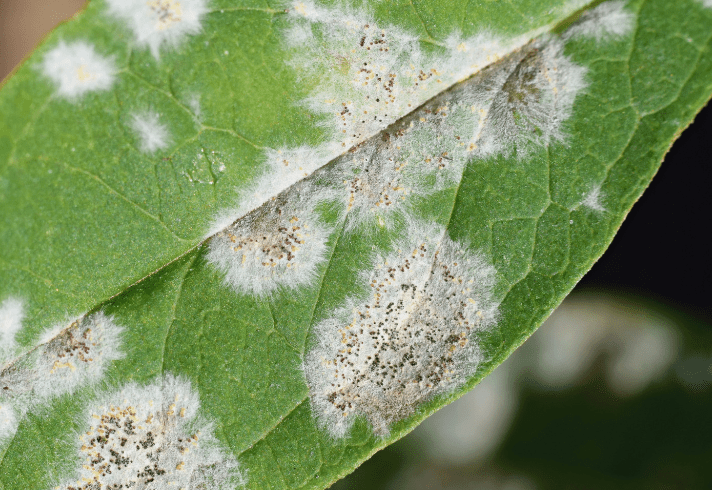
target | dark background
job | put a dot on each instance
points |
(585, 436)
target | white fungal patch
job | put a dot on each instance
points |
(152, 135)
(370, 80)
(12, 312)
(526, 99)
(421, 154)
(279, 245)
(79, 355)
(594, 199)
(72, 357)
(412, 335)
(156, 23)
(517, 105)
(609, 20)
(707, 3)
(368, 76)
(151, 437)
(8, 421)
(194, 104)
(283, 168)
(76, 69)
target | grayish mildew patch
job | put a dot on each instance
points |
(368, 76)
(158, 23)
(279, 245)
(76, 69)
(410, 336)
(65, 359)
(609, 20)
(11, 316)
(151, 437)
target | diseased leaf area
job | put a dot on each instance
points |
(246, 246)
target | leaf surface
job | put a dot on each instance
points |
(533, 128)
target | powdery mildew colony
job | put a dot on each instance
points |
(277, 246)
(156, 23)
(382, 356)
(594, 199)
(12, 312)
(76, 68)
(65, 360)
(151, 437)
(151, 134)
(607, 20)
(410, 336)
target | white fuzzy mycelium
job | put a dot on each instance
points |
(609, 20)
(12, 312)
(593, 200)
(152, 135)
(151, 437)
(410, 336)
(367, 76)
(156, 23)
(526, 99)
(76, 68)
(66, 359)
(278, 246)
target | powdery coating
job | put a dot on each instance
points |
(283, 168)
(368, 76)
(160, 22)
(593, 200)
(72, 357)
(416, 157)
(151, 437)
(608, 20)
(12, 312)
(707, 3)
(8, 421)
(76, 69)
(526, 98)
(279, 245)
(151, 133)
(518, 104)
(413, 336)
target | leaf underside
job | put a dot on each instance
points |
(93, 222)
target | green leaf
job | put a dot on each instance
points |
(248, 244)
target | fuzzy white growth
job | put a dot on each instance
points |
(593, 200)
(607, 20)
(411, 336)
(79, 356)
(151, 133)
(526, 99)
(156, 23)
(283, 168)
(151, 437)
(8, 421)
(194, 104)
(76, 69)
(368, 76)
(420, 155)
(280, 245)
(12, 312)
(707, 3)
(66, 359)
